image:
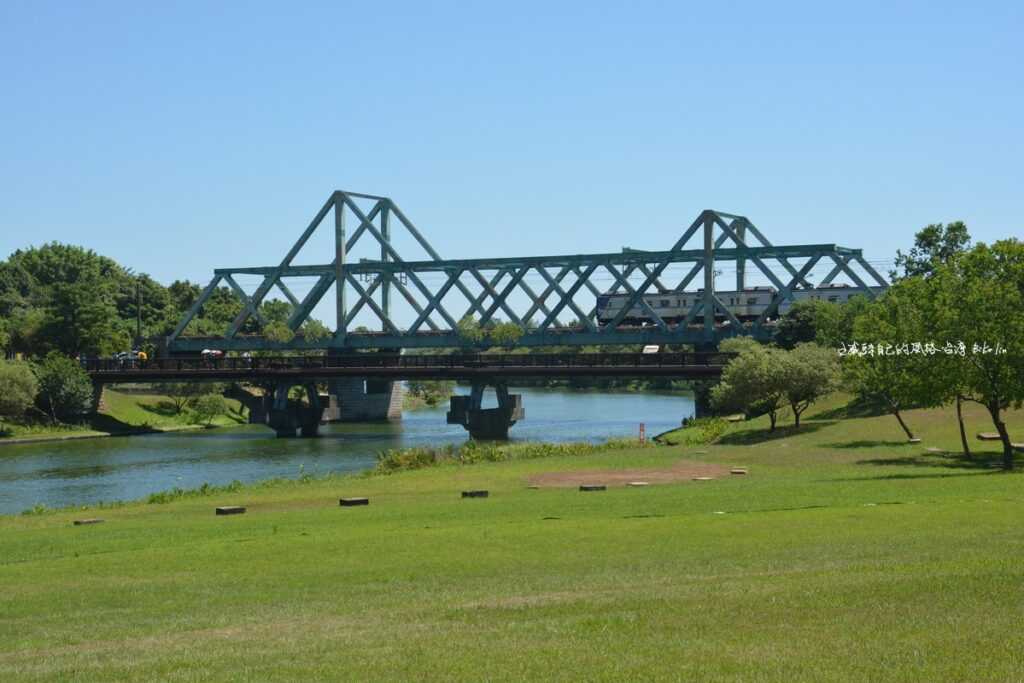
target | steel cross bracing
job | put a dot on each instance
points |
(487, 286)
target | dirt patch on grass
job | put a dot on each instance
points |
(684, 470)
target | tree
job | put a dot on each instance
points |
(504, 334)
(184, 394)
(432, 392)
(209, 407)
(934, 245)
(799, 324)
(278, 332)
(469, 330)
(892, 377)
(977, 299)
(75, 290)
(18, 388)
(751, 382)
(65, 390)
(314, 330)
(806, 373)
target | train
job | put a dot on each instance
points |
(747, 305)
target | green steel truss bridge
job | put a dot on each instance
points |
(496, 288)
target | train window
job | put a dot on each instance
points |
(752, 302)
(833, 299)
(665, 303)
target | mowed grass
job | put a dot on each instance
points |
(844, 554)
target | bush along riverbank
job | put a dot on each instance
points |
(123, 414)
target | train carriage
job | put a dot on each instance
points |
(747, 305)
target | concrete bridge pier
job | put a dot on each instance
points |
(486, 423)
(363, 400)
(97, 398)
(359, 399)
(702, 398)
(290, 417)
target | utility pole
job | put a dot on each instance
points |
(138, 313)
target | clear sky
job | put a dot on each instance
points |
(180, 137)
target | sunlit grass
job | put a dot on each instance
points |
(123, 412)
(844, 554)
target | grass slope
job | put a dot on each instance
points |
(845, 554)
(125, 412)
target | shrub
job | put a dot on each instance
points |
(208, 408)
(65, 390)
(18, 389)
(698, 432)
(161, 497)
(473, 452)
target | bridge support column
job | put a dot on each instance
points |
(360, 399)
(363, 400)
(702, 398)
(97, 398)
(290, 417)
(486, 423)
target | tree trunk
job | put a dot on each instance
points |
(899, 418)
(796, 418)
(1003, 436)
(960, 419)
(772, 416)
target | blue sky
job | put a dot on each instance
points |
(176, 137)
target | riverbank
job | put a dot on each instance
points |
(87, 471)
(880, 560)
(127, 413)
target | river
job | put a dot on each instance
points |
(80, 472)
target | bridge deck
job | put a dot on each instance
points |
(391, 366)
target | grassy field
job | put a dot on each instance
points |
(124, 412)
(844, 554)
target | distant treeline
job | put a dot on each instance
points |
(65, 298)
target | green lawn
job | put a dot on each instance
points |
(125, 412)
(845, 554)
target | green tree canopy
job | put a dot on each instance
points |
(18, 388)
(805, 374)
(65, 391)
(208, 408)
(976, 300)
(751, 382)
(934, 245)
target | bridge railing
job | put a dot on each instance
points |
(374, 360)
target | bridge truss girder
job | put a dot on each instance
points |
(497, 279)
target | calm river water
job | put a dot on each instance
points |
(123, 468)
